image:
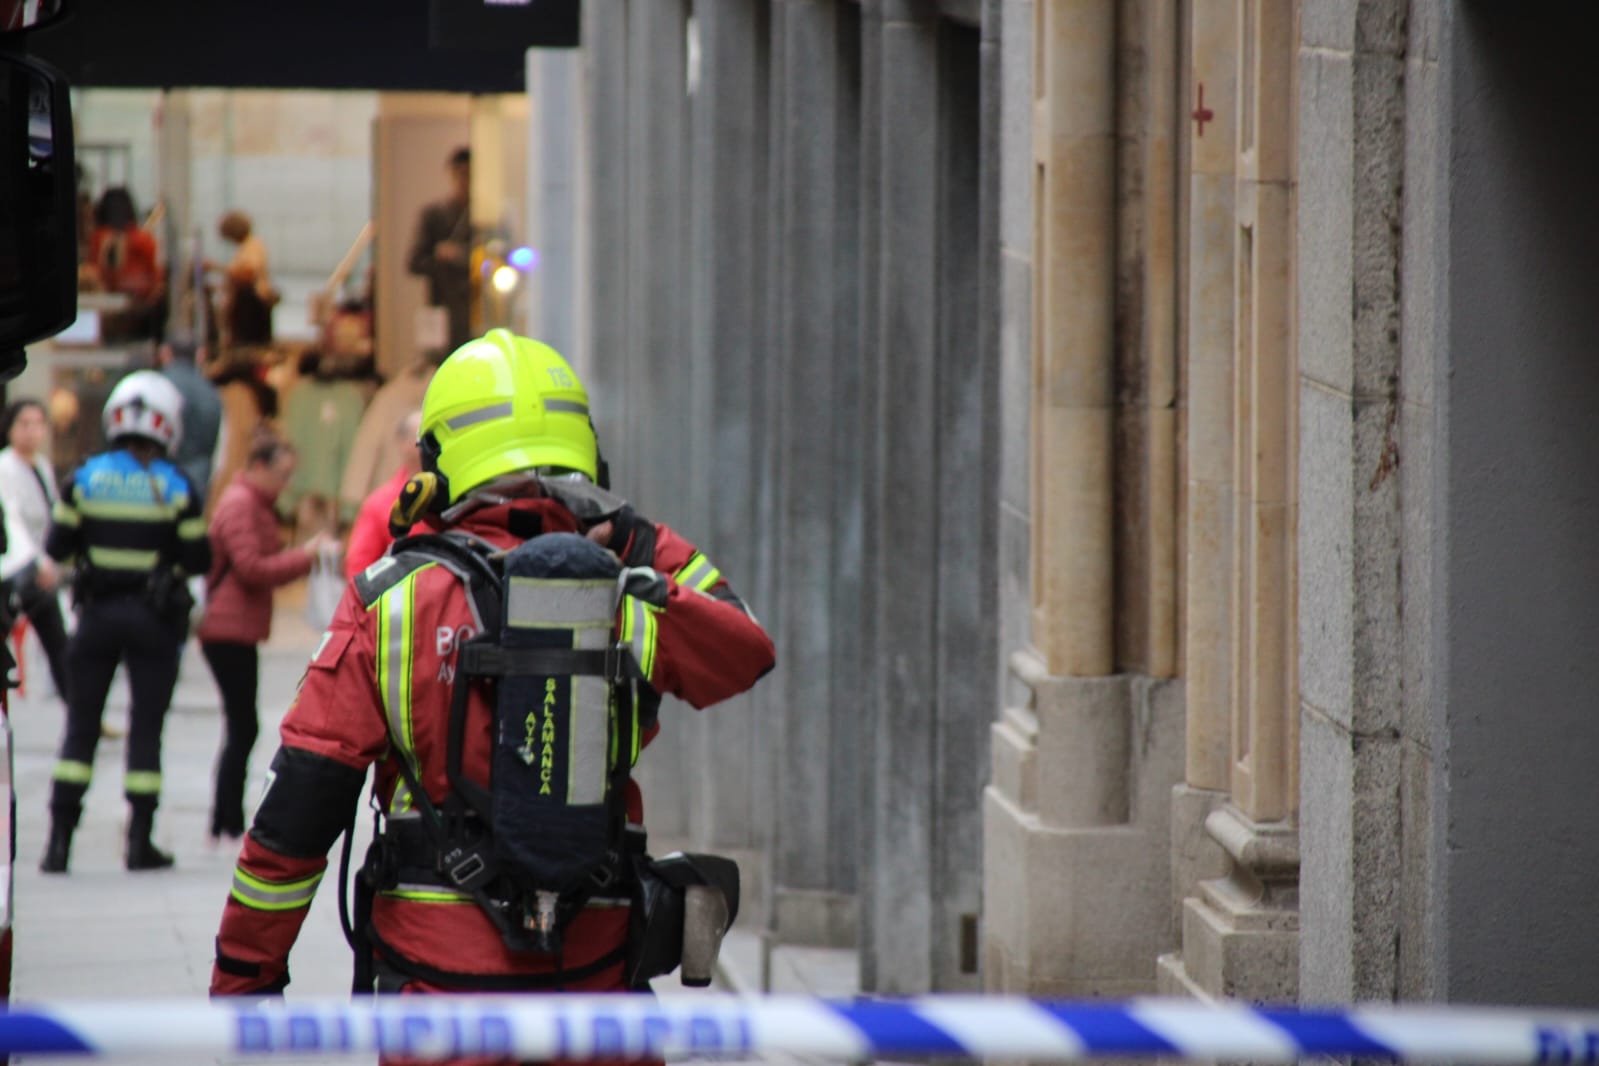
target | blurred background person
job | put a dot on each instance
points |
(369, 536)
(247, 293)
(124, 259)
(133, 531)
(195, 455)
(442, 251)
(249, 561)
(28, 493)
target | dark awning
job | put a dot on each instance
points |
(434, 45)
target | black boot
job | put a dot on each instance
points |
(59, 850)
(142, 852)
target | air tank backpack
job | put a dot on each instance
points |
(548, 833)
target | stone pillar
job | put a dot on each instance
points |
(1352, 629)
(1207, 635)
(817, 748)
(904, 515)
(1083, 759)
(558, 174)
(604, 226)
(1075, 142)
(1240, 932)
(656, 471)
(1008, 300)
(731, 806)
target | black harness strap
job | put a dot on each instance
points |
(508, 982)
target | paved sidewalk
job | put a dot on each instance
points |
(102, 932)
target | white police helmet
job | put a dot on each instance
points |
(144, 404)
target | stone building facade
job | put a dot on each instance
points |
(1158, 434)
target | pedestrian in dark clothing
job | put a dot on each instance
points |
(249, 561)
(442, 251)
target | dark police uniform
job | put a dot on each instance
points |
(134, 530)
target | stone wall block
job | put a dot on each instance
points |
(1207, 669)
(1378, 174)
(1352, 858)
(1016, 127)
(1416, 442)
(1326, 222)
(1380, 26)
(1328, 24)
(1195, 855)
(1156, 743)
(1013, 756)
(1416, 882)
(1084, 727)
(1015, 381)
(1377, 625)
(1422, 257)
(1326, 552)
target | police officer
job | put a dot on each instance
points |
(131, 526)
(506, 437)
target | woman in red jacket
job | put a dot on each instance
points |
(248, 562)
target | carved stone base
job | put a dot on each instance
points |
(1241, 932)
(1076, 836)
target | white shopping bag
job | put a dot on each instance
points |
(324, 586)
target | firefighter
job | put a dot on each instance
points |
(506, 436)
(131, 526)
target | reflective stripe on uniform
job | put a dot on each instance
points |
(122, 558)
(698, 573)
(66, 514)
(142, 782)
(426, 894)
(263, 895)
(119, 510)
(73, 772)
(638, 633)
(560, 603)
(395, 649)
(192, 528)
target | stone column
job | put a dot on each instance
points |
(727, 157)
(903, 515)
(656, 472)
(1075, 142)
(1355, 626)
(1076, 830)
(1210, 120)
(557, 180)
(1239, 933)
(814, 837)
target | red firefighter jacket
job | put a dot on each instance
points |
(388, 664)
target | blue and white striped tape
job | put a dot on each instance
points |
(574, 1027)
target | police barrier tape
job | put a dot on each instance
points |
(576, 1027)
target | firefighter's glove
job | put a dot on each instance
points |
(632, 538)
(646, 584)
(421, 494)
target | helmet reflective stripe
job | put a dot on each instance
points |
(395, 646)
(567, 407)
(482, 414)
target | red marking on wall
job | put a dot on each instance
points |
(1202, 114)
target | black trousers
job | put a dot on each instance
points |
(44, 615)
(236, 668)
(126, 630)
